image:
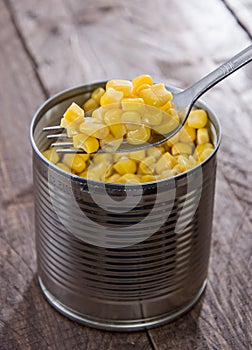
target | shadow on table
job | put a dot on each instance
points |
(35, 325)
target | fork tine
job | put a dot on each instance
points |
(70, 150)
(62, 144)
(52, 128)
(57, 136)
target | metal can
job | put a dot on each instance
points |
(120, 257)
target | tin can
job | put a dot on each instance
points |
(120, 257)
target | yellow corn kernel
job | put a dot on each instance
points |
(165, 174)
(177, 169)
(73, 113)
(97, 94)
(125, 86)
(147, 165)
(156, 151)
(84, 157)
(95, 128)
(152, 116)
(192, 162)
(137, 156)
(166, 107)
(148, 178)
(205, 154)
(74, 162)
(202, 136)
(111, 96)
(91, 145)
(133, 104)
(181, 148)
(200, 148)
(138, 136)
(166, 161)
(112, 116)
(79, 140)
(90, 104)
(132, 120)
(102, 158)
(64, 167)
(149, 97)
(113, 178)
(125, 166)
(183, 163)
(129, 179)
(168, 124)
(110, 143)
(51, 155)
(118, 130)
(101, 171)
(141, 80)
(197, 118)
(99, 113)
(140, 87)
(83, 174)
(163, 95)
(187, 134)
(174, 139)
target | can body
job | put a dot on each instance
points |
(123, 269)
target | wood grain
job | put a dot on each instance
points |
(48, 46)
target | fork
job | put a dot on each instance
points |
(182, 101)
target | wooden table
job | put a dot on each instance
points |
(47, 46)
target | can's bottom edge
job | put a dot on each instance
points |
(120, 325)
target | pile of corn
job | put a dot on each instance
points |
(131, 111)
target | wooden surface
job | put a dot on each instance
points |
(46, 46)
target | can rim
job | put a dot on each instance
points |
(77, 91)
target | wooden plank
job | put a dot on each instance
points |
(26, 320)
(175, 43)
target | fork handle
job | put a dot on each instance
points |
(221, 72)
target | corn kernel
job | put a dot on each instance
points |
(113, 116)
(133, 104)
(168, 125)
(200, 148)
(181, 148)
(125, 165)
(167, 161)
(152, 116)
(140, 87)
(147, 165)
(111, 96)
(205, 154)
(129, 179)
(197, 118)
(93, 127)
(51, 155)
(149, 97)
(163, 95)
(132, 120)
(187, 134)
(64, 167)
(125, 86)
(74, 162)
(137, 155)
(174, 139)
(90, 104)
(91, 145)
(165, 174)
(73, 113)
(141, 80)
(138, 136)
(148, 178)
(113, 178)
(110, 143)
(156, 151)
(202, 136)
(97, 94)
